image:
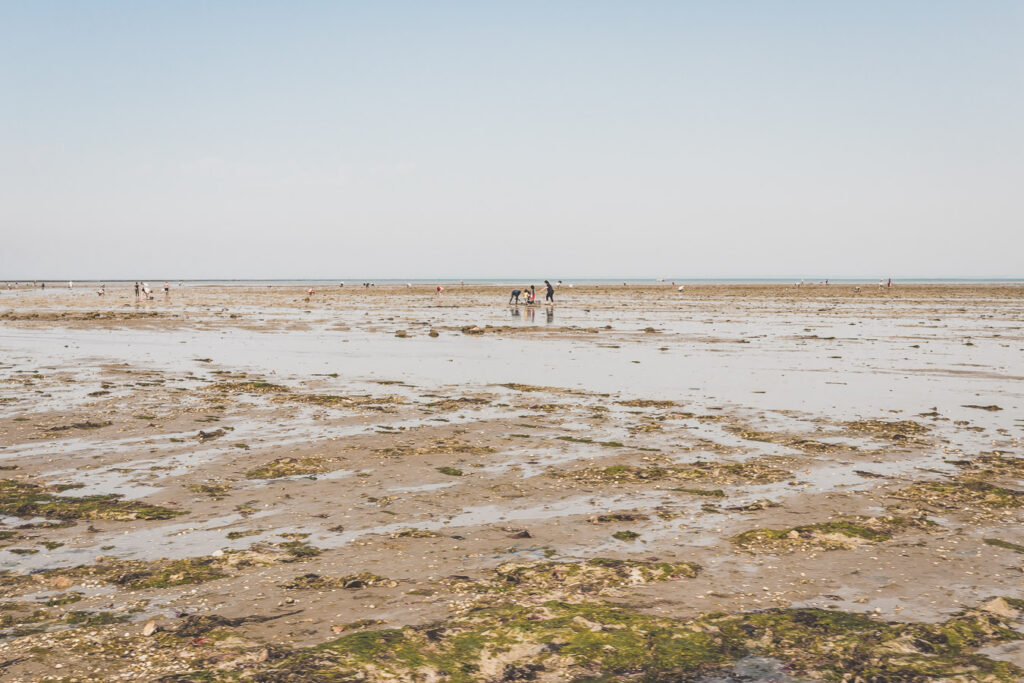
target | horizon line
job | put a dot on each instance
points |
(512, 278)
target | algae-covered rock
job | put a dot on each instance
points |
(617, 517)
(832, 535)
(996, 464)
(436, 447)
(22, 499)
(591, 641)
(449, 404)
(415, 533)
(752, 471)
(646, 403)
(214, 489)
(575, 578)
(88, 424)
(339, 401)
(290, 467)
(891, 430)
(806, 445)
(964, 495)
(354, 581)
(251, 387)
(162, 573)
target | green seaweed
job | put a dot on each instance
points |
(624, 474)
(999, 543)
(252, 387)
(712, 493)
(289, 467)
(830, 535)
(604, 642)
(351, 582)
(21, 499)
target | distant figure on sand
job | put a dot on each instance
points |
(136, 290)
(167, 289)
(550, 296)
(439, 290)
(514, 296)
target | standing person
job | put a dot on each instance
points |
(70, 285)
(136, 290)
(889, 284)
(167, 289)
(533, 294)
(550, 296)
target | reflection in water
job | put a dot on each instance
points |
(514, 310)
(531, 313)
(549, 313)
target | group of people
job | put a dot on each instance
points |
(531, 294)
(144, 293)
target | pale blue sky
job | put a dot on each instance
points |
(489, 139)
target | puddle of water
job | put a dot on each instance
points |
(190, 539)
(795, 379)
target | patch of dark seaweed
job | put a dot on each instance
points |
(21, 499)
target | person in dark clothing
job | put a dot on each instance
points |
(550, 296)
(514, 296)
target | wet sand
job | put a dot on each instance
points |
(733, 482)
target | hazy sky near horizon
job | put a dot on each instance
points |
(489, 139)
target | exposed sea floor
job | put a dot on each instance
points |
(727, 483)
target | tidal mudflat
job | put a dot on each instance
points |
(729, 483)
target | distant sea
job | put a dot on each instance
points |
(156, 282)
